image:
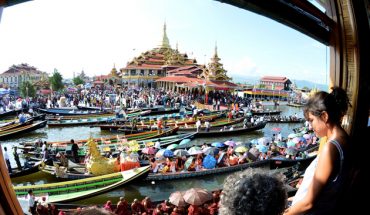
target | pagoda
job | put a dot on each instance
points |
(215, 70)
(153, 64)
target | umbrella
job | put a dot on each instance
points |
(218, 144)
(291, 151)
(210, 151)
(239, 143)
(241, 149)
(230, 143)
(281, 144)
(168, 153)
(209, 162)
(180, 153)
(296, 140)
(262, 148)
(172, 146)
(149, 144)
(254, 141)
(221, 156)
(276, 129)
(177, 199)
(290, 144)
(195, 150)
(188, 162)
(197, 196)
(292, 135)
(149, 151)
(307, 136)
(264, 140)
(159, 154)
(184, 141)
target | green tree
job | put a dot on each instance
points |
(78, 80)
(27, 89)
(56, 81)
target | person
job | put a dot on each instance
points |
(207, 125)
(108, 206)
(326, 176)
(122, 207)
(16, 158)
(198, 124)
(31, 202)
(75, 151)
(253, 191)
(6, 157)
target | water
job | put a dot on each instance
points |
(160, 189)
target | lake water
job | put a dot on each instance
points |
(160, 189)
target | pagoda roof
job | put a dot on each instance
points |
(195, 82)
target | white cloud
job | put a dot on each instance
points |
(243, 67)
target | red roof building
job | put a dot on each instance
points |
(275, 82)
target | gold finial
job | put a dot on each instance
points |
(165, 40)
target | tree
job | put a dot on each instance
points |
(27, 89)
(78, 80)
(56, 81)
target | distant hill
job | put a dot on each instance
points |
(299, 83)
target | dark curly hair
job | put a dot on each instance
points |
(335, 104)
(253, 192)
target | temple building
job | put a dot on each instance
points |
(17, 74)
(151, 65)
(275, 82)
(198, 79)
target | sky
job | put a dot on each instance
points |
(89, 35)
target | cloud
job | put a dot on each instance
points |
(244, 67)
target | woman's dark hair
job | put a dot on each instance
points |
(253, 192)
(335, 104)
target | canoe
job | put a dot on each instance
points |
(113, 139)
(297, 105)
(114, 147)
(16, 124)
(300, 120)
(215, 124)
(79, 122)
(68, 112)
(219, 170)
(259, 113)
(83, 188)
(79, 174)
(168, 122)
(54, 117)
(303, 163)
(10, 113)
(35, 168)
(21, 130)
(235, 131)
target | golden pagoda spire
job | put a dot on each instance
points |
(215, 55)
(165, 40)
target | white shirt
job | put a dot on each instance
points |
(157, 145)
(198, 124)
(30, 200)
(6, 156)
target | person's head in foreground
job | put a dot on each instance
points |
(253, 191)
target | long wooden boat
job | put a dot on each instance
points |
(169, 122)
(114, 147)
(113, 139)
(10, 113)
(272, 120)
(216, 124)
(228, 131)
(34, 168)
(162, 110)
(21, 130)
(54, 117)
(272, 112)
(79, 174)
(16, 124)
(297, 105)
(219, 170)
(68, 112)
(83, 188)
(282, 162)
(80, 107)
(79, 122)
